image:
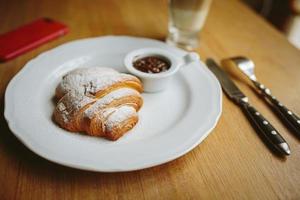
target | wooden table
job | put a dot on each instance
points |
(231, 163)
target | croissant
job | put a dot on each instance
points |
(99, 101)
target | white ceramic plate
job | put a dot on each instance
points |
(171, 122)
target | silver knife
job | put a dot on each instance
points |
(259, 123)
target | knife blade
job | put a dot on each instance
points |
(259, 123)
(230, 88)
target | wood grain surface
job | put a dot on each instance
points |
(231, 163)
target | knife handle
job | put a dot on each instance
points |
(264, 127)
(288, 117)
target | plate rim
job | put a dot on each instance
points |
(16, 131)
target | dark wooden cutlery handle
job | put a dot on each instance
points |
(288, 117)
(265, 128)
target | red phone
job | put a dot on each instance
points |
(28, 37)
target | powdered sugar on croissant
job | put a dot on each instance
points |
(93, 81)
(98, 101)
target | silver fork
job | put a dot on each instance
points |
(289, 118)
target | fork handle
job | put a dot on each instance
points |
(289, 118)
(264, 128)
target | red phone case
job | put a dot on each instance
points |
(28, 37)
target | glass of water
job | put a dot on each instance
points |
(186, 19)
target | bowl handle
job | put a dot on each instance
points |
(190, 58)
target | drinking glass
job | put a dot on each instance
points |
(186, 19)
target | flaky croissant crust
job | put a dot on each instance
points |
(98, 101)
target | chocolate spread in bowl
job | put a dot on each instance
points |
(151, 64)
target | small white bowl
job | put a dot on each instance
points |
(155, 82)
